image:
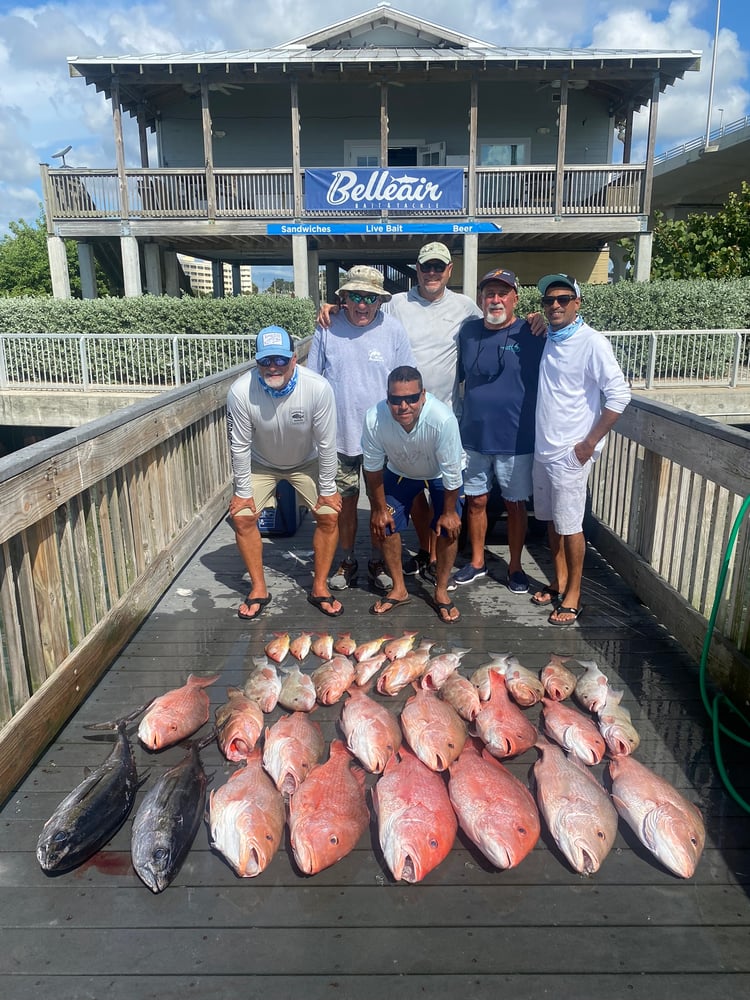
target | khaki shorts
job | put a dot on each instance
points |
(347, 477)
(560, 492)
(304, 479)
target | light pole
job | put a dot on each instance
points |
(713, 74)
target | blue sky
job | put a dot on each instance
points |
(42, 110)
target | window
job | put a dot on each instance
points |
(503, 152)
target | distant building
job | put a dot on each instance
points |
(201, 276)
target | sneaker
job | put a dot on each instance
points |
(378, 575)
(428, 572)
(467, 574)
(345, 575)
(412, 565)
(518, 583)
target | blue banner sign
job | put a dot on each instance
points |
(433, 189)
(378, 227)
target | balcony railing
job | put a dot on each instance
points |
(151, 363)
(183, 193)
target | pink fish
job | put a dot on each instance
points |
(663, 820)
(501, 723)
(396, 648)
(239, 723)
(559, 682)
(439, 668)
(591, 687)
(366, 669)
(328, 812)
(323, 645)
(416, 824)
(616, 726)
(177, 714)
(277, 648)
(574, 731)
(292, 747)
(372, 732)
(297, 690)
(523, 685)
(461, 694)
(577, 810)
(403, 671)
(345, 644)
(494, 809)
(332, 678)
(263, 686)
(246, 818)
(434, 731)
(300, 647)
(366, 650)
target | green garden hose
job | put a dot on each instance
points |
(712, 708)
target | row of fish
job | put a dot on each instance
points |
(329, 814)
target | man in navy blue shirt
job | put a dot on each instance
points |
(498, 359)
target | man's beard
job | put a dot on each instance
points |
(496, 317)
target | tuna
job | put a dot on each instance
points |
(501, 724)
(328, 812)
(416, 823)
(435, 732)
(574, 731)
(239, 723)
(576, 809)
(263, 685)
(177, 714)
(292, 747)
(372, 732)
(332, 678)
(494, 809)
(669, 826)
(246, 818)
(559, 682)
(90, 815)
(167, 821)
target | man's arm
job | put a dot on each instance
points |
(381, 515)
(585, 449)
(449, 521)
(327, 309)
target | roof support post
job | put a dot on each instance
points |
(384, 132)
(142, 134)
(208, 151)
(561, 136)
(471, 256)
(119, 149)
(296, 154)
(301, 271)
(471, 192)
(648, 176)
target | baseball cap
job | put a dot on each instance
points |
(507, 277)
(273, 341)
(434, 251)
(552, 280)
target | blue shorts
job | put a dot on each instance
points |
(512, 473)
(400, 493)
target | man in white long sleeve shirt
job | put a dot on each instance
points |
(411, 441)
(282, 426)
(577, 368)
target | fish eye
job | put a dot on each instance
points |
(160, 854)
(600, 834)
(333, 839)
(269, 837)
(433, 842)
(522, 829)
(60, 837)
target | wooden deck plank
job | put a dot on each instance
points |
(632, 930)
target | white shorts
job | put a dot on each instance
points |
(560, 492)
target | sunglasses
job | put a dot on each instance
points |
(369, 300)
(433, 265)
(410, 400)
(564, 300)
(276, 361)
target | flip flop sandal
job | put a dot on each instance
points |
(554, 597)
(392, 602)
(447, 606)
(318, 602)
(262, 603)
(561, 609)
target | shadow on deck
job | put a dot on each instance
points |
(470, 931)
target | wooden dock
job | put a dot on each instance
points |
(468, 930)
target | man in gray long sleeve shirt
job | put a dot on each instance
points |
(282, 426)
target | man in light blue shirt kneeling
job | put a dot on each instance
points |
(410, 441)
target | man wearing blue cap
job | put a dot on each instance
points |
(578, 367)
(282, 426)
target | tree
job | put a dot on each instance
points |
(24, 264)
(703, 246)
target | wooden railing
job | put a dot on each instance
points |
(94, 525)
(182, 193)
(665, 495)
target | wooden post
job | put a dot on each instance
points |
(296, 157)
(561, 131)
(471, 196)
(119, 149)
(384, 132)
(653, 115)
(208, 151)
(142, 135)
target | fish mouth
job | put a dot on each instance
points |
(407, 868)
